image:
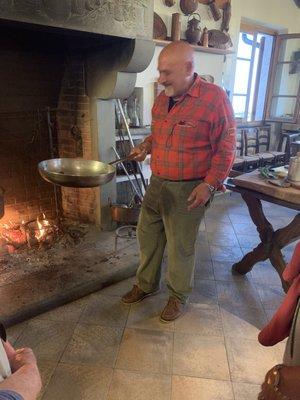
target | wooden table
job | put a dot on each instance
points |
(251, 188)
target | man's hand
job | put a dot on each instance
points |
(25, 378)
(18, 358)
(139, 152)
(199, 196)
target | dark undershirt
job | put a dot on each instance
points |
(172, 102)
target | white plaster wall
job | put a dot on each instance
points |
(282, 15)
(204, 64)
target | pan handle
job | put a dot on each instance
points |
(118, 160)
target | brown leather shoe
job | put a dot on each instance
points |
(135, 295)
(173, 310)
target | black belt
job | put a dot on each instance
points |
(180, 180)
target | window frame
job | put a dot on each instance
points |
(270, 87)
(254, 29)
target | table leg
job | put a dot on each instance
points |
(271, 242)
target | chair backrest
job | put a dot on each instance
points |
(250, 141)
(264, 136)
(239, 142)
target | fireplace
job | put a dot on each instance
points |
(61, 66)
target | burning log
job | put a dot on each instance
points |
(36, 232)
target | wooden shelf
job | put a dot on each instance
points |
(210, 50)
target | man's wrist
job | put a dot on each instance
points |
(211, 188)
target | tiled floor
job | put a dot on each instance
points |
(97, 348)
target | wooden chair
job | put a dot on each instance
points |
(287, 138)
(239, 162)
(266, 156)
(251, 157)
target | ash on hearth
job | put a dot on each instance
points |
(39, 234)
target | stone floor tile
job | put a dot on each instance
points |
(204, 292)
(249, 361)
(187, 388)
(200, 356)
(202, 319)
(202, 238)
(247, 240)
(46, 369)
(145, 315)
(235, 293)
(67, 313)
(223, 272)
(202, 252)
(105, 311)
(219, 227)
(271, 296)
(48, 339)
(14, 332)
(245, 391)
(226, 253)
(120, 288)
(203, 269)
(145, 351)
(216, 214)
(239, 218)
(222, 239)
(243, 322)
(244, 228)
(264, 273)
(128, 385)
(202, 226)
(79, 382)
(93, 344)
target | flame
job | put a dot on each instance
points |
(41, 231)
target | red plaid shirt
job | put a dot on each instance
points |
(196, 138)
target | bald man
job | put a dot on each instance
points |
(192, 147)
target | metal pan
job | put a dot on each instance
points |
(76, 172)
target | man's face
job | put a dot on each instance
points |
(174, 76)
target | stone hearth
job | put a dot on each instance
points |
(34, 281)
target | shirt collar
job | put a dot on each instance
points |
(194, 90)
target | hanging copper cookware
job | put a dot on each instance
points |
(188, 6)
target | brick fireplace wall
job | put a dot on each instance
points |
(30, 78)
(74, 136)
(33, 78)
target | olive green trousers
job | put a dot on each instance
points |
(165, 222)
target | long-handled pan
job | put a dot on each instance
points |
(78, 173)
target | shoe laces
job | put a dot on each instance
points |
(173, 301)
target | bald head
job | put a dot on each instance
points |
(176, 68)
(179, 52)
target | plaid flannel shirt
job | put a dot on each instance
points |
(196, 138)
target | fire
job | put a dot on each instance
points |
(17, 236)
(42, 230)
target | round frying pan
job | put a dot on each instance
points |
(76, 172)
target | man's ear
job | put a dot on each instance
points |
(189, 67)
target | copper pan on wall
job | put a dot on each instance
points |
(188, 6)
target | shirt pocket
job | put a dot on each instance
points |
(191, 135)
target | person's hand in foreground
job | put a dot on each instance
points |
(25, 378)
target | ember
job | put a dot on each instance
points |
(39, 232)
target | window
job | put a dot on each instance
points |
(252, 73)
(284, 91)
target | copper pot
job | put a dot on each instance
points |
(193, 33)
(125, 214)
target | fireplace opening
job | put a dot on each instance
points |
(51, 250)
